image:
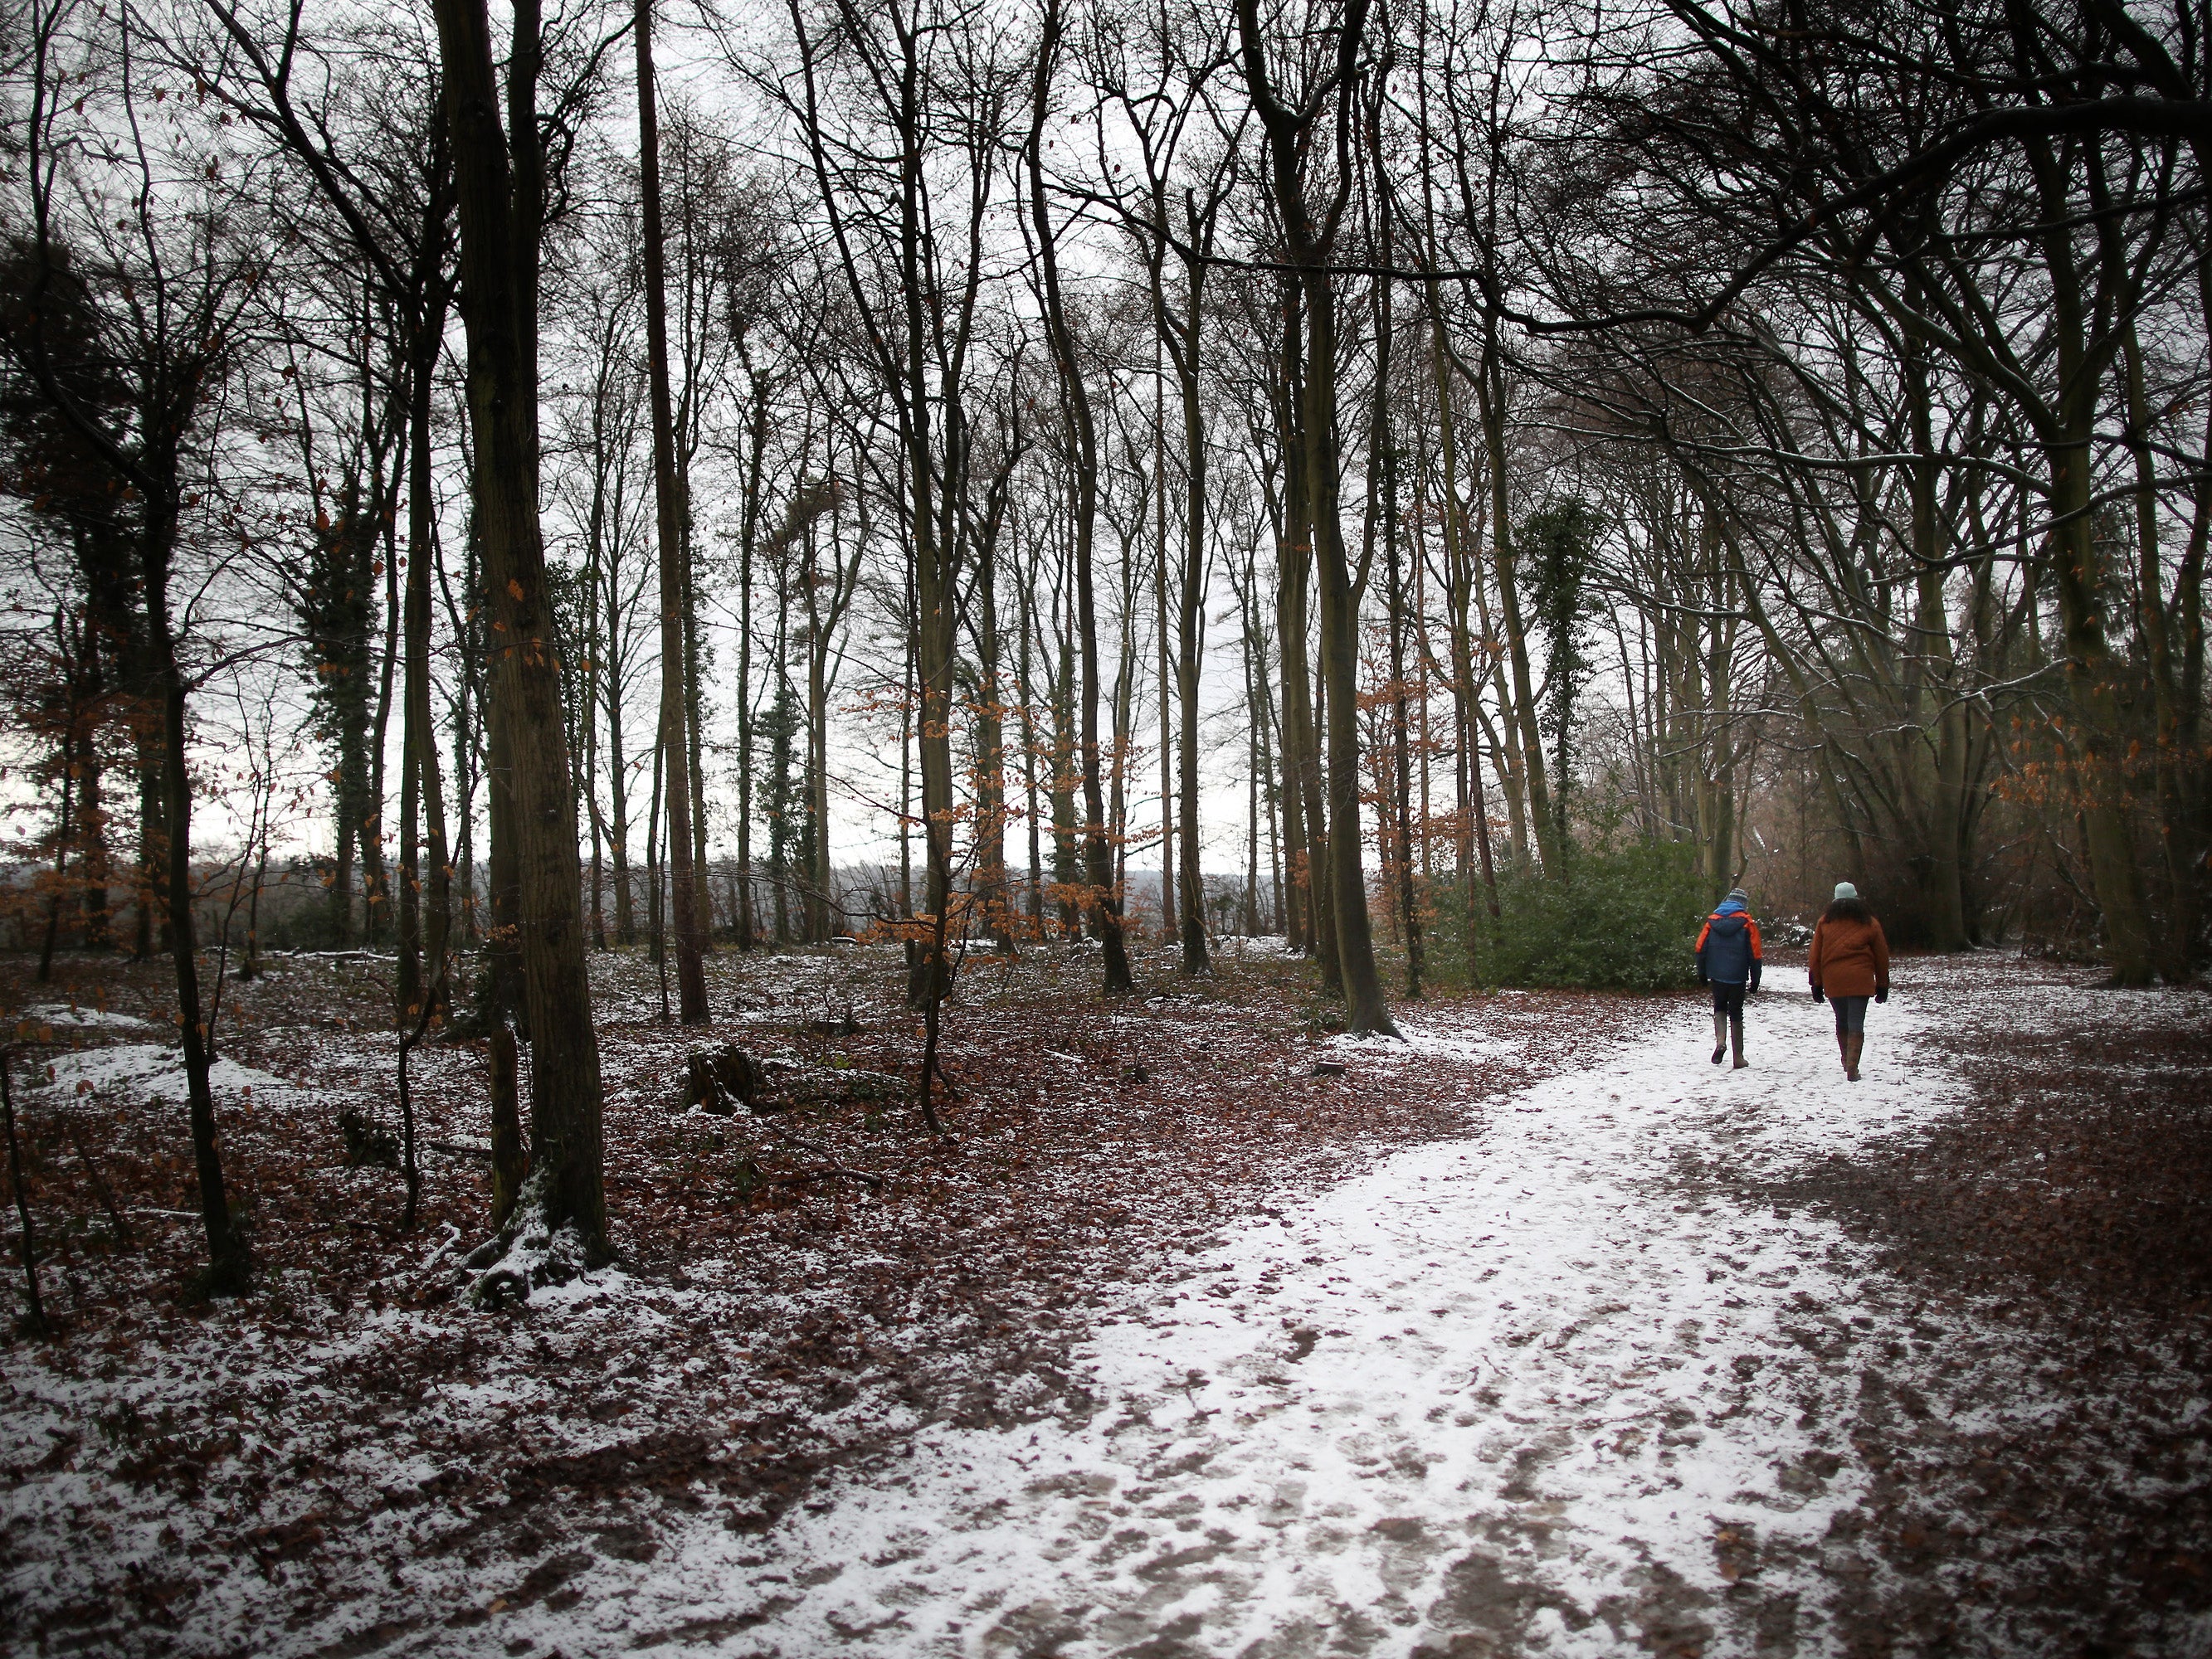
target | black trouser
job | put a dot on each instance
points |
(1851, 1015)
(1728, 1001)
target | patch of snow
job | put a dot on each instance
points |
(1514, 1386)
(70, 1017)
(1525, 1369)
(155, 1072)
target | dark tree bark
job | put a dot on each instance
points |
(426, 873)
(500, 195)
(1170, 906)
(228, 1264)
(1309, 241)
(1190, 632)
(748, 540)
(1098, 850)
(676, 648)
(1382, 509)
(1312, 919)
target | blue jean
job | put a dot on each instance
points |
(1851, 1015)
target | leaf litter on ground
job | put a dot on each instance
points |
(1149, 1216)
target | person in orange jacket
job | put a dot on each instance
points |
(1729, 957)
(1850, 964)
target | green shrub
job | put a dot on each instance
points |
(1620, 919)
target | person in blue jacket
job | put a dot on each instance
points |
(1728, 960)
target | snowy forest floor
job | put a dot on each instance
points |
(1535, 1334)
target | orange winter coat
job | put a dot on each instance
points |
(1850, 958)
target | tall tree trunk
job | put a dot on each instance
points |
(2082, 344)
(1309, 244)
(656, 914)
(65, 809)
(1275, 791)
(1932, 667)
(1382, 503)
(675, 644)
(500, 212)
(346, 792)
(1026, 690)
(748, 540)
(908, 704)
(375, 879)
(1190, 634)
(468, 635)
(2108, 838)
(990, 753)
(149, 900)
(502, 871)
(1098, 852)
(936, 556)
(820, 878)
(2184, 856)
(695, 732)
(1169, 911)
(1248, 919)
(1366, 1009)
(1520, 714)
(1066, 859)
(590, 673)
(228, 1264)
(1120, 744)
(618, 824)
(1305, 819)
(91, 834)
(425, 930)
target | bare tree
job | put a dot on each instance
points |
(500, 178)
(1311, 236)
(676, 730)
(128, 325)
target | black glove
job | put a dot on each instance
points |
(1882, 995)
(1818, 996)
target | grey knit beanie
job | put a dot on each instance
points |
(1845, 889)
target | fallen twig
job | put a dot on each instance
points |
(867, 1178)
(100, 1186)
(460, 1148)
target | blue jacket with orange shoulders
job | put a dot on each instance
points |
(1728, 949)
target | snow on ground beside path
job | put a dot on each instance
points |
(1520, 1393)
(152, 1072)
(70, 1016)
(1584, 1379)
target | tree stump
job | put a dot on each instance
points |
(722, 1080)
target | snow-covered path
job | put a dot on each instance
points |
(1532, 1391)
